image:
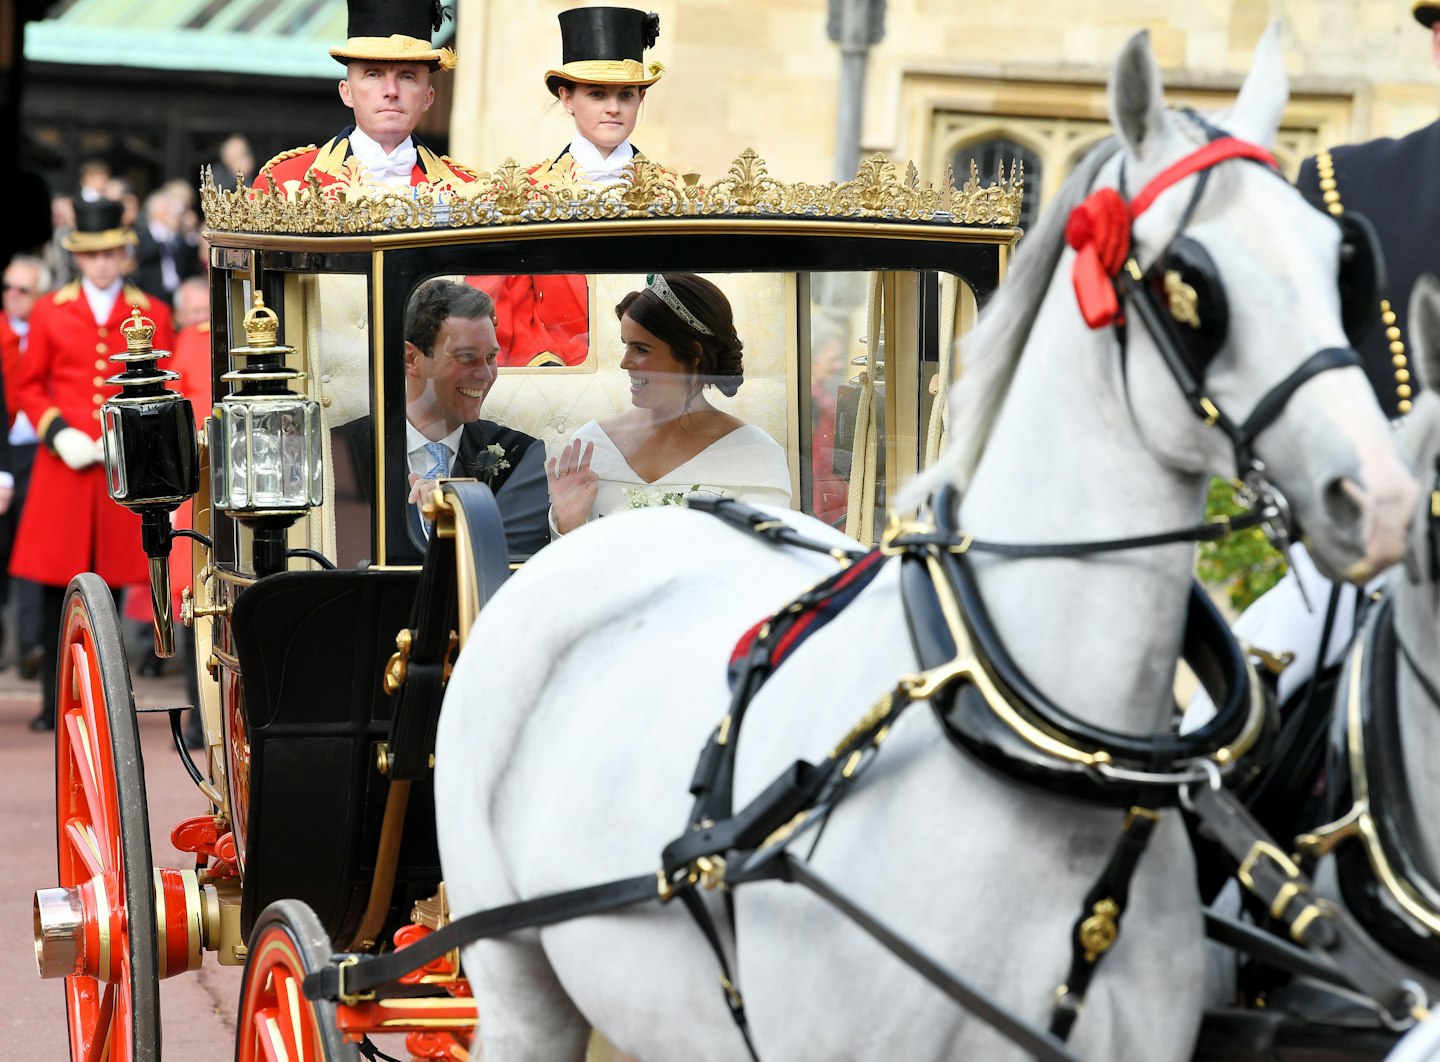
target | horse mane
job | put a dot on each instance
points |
(991, 350)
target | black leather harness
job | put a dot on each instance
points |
(1367, 779)
(725, 848)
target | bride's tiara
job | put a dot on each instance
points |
(656, 283)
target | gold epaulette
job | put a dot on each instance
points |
(69, 293)
(331, 158)
(553, 173)
(203, 327)
(545, 357)
(287, 155)
(133, 296)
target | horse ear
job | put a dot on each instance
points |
(1425, 330)
(1258, 108)
(1137, 97)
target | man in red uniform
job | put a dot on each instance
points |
(70, 525)
(388, 61)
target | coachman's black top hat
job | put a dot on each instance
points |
(1425, 12)
(98, 227)
(395, 31)
(605, 46)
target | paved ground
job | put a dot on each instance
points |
(197, 1009)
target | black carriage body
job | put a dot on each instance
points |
(297, 658)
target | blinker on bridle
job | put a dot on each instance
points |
(1105, 272)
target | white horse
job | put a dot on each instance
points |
(1414, 596)
(594, 676)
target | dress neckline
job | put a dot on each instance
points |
(664, 475)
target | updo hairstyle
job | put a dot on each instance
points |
(714, 359)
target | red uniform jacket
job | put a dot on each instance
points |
(9, 366)
(540, 320)
(70, 525)
(328, 162)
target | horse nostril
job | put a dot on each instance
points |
(1342, 504)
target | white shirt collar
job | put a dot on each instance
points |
(419, 457)
(101, 300)
(386, 167)
(594, 168)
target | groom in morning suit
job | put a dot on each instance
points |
(450, 358)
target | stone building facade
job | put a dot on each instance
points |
(951, 80)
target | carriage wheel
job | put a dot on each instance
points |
(113, 1006)
(276, 1020)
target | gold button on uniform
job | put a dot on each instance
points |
(101, 348)
(102, 332)
(99, 363)
(98, 381)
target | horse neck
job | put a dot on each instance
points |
(1416, 628)
(1100, 636)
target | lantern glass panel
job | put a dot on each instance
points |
(268, 454)
(113, 440)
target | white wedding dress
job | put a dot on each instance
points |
(747, 464)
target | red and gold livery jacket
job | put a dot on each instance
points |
(69, 524)
(329, 165)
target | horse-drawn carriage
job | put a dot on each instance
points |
(320, 823)
(1040, 618)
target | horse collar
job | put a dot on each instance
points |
(1367, 761)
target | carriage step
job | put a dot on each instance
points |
(147, 708)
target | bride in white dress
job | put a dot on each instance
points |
(679, 338)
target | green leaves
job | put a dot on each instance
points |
(1244, 564)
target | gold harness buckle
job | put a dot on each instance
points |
(349, 999)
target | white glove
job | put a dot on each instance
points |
(77, 449)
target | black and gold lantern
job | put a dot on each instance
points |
(152, 456)
(266, 447)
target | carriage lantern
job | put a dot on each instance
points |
(265, 443)
(152, 457)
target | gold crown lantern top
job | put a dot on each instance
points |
(262, 326)
(139, 332)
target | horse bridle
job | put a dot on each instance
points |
(1108, 277)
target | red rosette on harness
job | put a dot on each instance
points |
(1099, 231)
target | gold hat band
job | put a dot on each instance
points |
(83, 242)
(606, 72)
(396, 48)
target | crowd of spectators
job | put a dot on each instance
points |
(168, 261)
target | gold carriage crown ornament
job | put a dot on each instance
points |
(138, 330)
(262, 324)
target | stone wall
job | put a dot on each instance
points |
(763, 74)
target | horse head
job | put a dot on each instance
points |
(1418, 596)
(1211, 293)
(1257, 289)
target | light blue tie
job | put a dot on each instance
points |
(441, 453)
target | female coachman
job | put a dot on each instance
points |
(601, 82)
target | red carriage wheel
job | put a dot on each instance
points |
(113, 1000)
(276, 1020)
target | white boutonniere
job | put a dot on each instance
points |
(490, 462)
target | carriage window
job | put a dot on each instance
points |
(541, 322)
(832, 399)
